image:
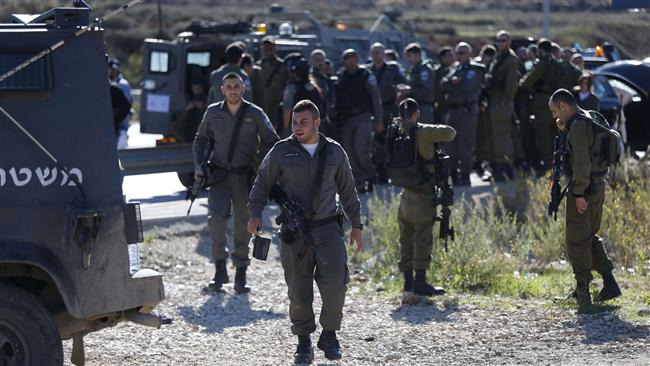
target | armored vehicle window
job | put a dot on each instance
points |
(198, 58)
(36, 76)
(159, 62)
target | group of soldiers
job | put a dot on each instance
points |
(378, 111)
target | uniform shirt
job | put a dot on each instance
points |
(420, 78)
(469, 87)
(440, 72)
(274, 77)
(347, 100)
(218, 124)
(256, 84)
(388, 76)
(215, 95)
(578, 138)
(294, 169)
(541, 78)
(501, 80)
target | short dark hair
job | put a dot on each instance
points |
(545, 45)
(246, 60)
(563, 96)
(443, 51)
(489, 50)
(232, 75)
(233, 53)
(413, 48)
(408, 107)
(306, 105)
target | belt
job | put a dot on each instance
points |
(321, 222)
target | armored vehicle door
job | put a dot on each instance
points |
(162, 85)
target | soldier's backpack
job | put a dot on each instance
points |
(404, 166)
(608, 143)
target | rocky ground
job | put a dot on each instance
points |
(231, 329)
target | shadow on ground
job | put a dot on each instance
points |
(426, 311)
(223, 310)
(600, 325)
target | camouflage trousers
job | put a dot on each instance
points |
(229, 195)
(584, 248)
(415, 218)
(331, 278)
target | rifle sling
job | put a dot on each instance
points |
(318, 182)
(235, 133)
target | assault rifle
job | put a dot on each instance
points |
(559, 162)
(293, 221)
(443, 195)
(200, 183)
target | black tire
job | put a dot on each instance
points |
(28, 335)
(187, 179)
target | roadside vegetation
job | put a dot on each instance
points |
(507, 245)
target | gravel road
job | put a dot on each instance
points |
(231, 329)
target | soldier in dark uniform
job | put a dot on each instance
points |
(420, 79)
(446, 58)
(274, 78)
(483, 142)
(254, 73)
(293, 164)
(301, 87)
(234, 158)
(388, 76)
(586, 194)
(327, 84)
(233, 55)
(462, 88)
(358, 110)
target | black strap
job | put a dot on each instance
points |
(318, 182)
(275, 71)
(235, 133)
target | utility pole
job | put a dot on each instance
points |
(160, 31)
(546, 9)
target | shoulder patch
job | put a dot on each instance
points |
(372, 79)
(470, 74)
(424, 75)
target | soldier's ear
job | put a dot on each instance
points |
(317, 122)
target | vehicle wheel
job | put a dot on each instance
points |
(28, 335)
(187, 179)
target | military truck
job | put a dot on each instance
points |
(170, 67)
(68, 264)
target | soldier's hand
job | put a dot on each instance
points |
(197, 174)
(253, 225)
(581, 204)
(356, 237)
(560, 125)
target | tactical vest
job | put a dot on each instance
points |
(308, 91)
(607, 148)
(404, 166)
(353, 97)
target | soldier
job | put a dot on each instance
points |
(388, 76)
(274, 78)
(585, 197)
(233, 56)
(543, 80)
(326, 83)
(254, 73)
(483, 139)
(462, 87)
(420, 79)
(501, 84)
(236, 127)
(291, 164)
(357, 101)
(416, 210)
(523, 132)
(301, 87)
(446, 58)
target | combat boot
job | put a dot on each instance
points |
(240, 281)
(583, 298)
(421, 287)
(610, 288)
(220, 276)
(408, 281)
(330, 345)
(304, 354)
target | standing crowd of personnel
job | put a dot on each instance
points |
(372, 123)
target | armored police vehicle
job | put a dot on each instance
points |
(68, 264)
(171, 67)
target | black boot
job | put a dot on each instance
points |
(304, 352)
(220, 276)
(421, 287)
(583, 298)
(610, 288)
(330, 345)
(240, 281)
(408, 281)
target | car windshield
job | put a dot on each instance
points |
(602, 88)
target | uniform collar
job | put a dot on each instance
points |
(322, 140)
(573, 118)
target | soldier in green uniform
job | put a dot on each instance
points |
(388, 76)
(500, 85)
(483, 149)
(585, 197)
(543, 80)
(446, 58)
(293, 164)
(410, 147)
(274, 78)
(240, 142)
(462, 87)
(420, 79)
